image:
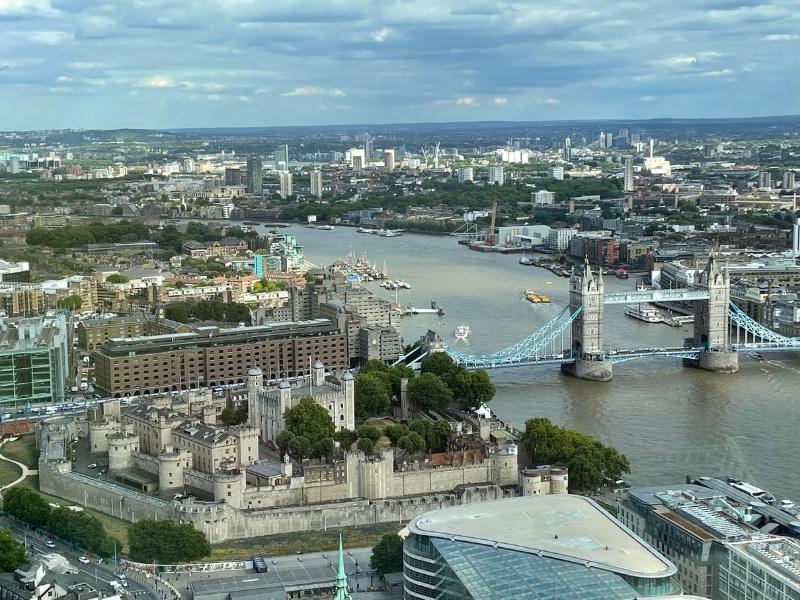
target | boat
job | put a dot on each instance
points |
(390, 232)
(756, 356)
(364, 230)
(461, 332)
(536, 298)
(643, 312)
(325, 227)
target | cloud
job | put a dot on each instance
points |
(49, 38)
(500, 100)
(25, 8)
(313, 91)
(548, 101)
(381, 34)
(157, 81)
(467, 101)
(781, 37)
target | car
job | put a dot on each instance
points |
(120, 577)
(84, 559)
(92, 466)
(50, 544)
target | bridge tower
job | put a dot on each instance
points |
(586, 293)
(712, 323)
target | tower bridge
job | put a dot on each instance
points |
(574, 337)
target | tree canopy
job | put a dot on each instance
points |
(387, 555)
(429, 392)
(309, 431)
(372, 395)
(470, 388)
(588, 460)
(12, 554)
(166, 542)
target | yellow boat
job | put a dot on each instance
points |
(532, 296)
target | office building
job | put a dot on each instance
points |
(388, 159)
(567, 149)
(465, 174)
(93, 333)
(286, 184)
(316, 183)
(282, 157)
(796, 237)
(658, 165)
(558, 239)
(210, 356)
(233, 176)
(543, 198)
(768, 567)
(357, 159)
(496, 175)
(628, 178)
(15, 271)
(788, 180)
(34, 359)
(764, 179)
(556, 172)
(533, 547)
(369, 149)
(254, 175)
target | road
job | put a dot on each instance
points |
(97, 575)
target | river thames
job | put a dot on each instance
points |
(671, 421)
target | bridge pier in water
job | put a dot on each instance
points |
(712, 327)
(591, 361)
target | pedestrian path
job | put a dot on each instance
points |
(26, 472)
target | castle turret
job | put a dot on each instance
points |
(255, 384)
(349, 389)
(229, 486)
(318, 374)
(171, 465)
(505, 463)
(209, 415)
(120, 448)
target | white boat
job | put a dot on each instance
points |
(461, 332)
(364, 230)
(643, 312)
(325, 227)
(390, 232)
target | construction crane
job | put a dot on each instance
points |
(490, 237)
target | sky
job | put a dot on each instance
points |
(207, 63)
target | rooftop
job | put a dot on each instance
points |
(566, 527)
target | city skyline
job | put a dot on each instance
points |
(154, 64)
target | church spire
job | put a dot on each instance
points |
(341, 577)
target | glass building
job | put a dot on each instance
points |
(538, 547)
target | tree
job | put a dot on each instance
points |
(429, 392)
(309, 419)
(413, 443)
(117, 278)
(440, 364)
(588, 460)
(82, 529)
(366, 445)
(323, 449)
(395, 432)
(12, 554)
(299, 447)
(370, 432)
(472, 388)
(283, 440)
(387, 555)
(177, 311)
(346, 438)
(166, 542)
(372, 395)
(231, 415)
(71, 302)
(27, 506)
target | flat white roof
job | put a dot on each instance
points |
(566, 527)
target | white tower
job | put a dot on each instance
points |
(255, 384)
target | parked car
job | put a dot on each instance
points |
(84, 559)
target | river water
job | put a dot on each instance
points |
(671, 421)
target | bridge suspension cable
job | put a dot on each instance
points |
(752, 335)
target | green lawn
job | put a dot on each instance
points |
(23, 450)
(8, 472)
(307, 541)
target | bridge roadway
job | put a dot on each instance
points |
(667, 295)
(776, 515)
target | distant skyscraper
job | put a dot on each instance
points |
(788, 180)
(556, 172)
(567, 149)
(601, 140)
(282, 156)
(652, 147)
(436, 157)
(369, 148)
(609, 139)
(388, 159)
(233, 176)
(764, 179)
(316, 183)
(254, 175)
(465, 174)
(188, 165)
(286, 184)
(357, 158)
(628, 183)
(496, 175)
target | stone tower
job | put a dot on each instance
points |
(586, 293)
(712, 323)
(318, 374)
(255, 384)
